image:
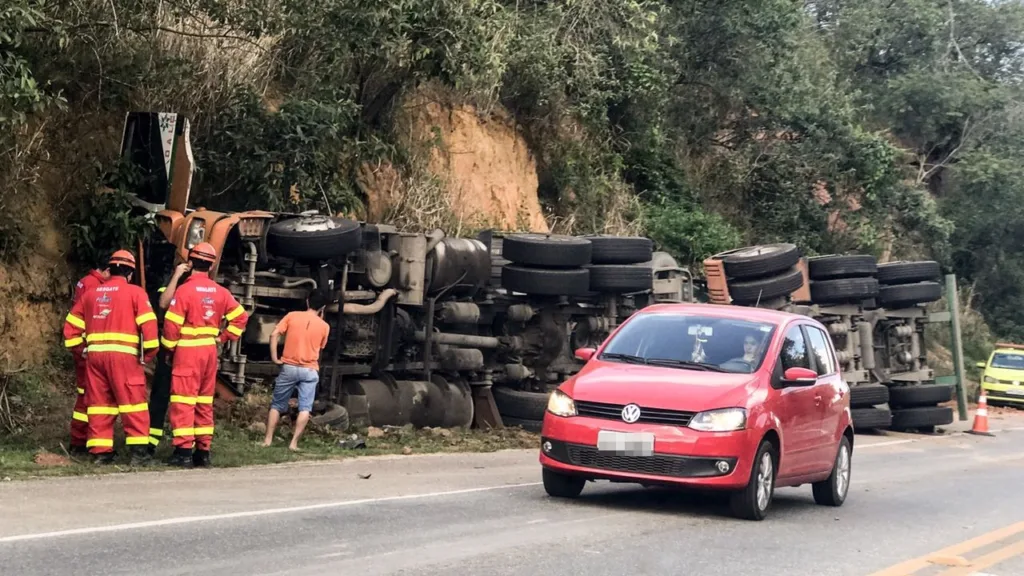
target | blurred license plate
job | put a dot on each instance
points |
(1016, 392)
(626, 443)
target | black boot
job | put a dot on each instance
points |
(104, 459)
(181, 457)
(201, 458)
(141, 456)
(78, 450)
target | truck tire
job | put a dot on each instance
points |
(871, 418)
(620, 278)
(762, 289)
(546, 250)
(907, 295)
(868, 395)
(759, 261)
(335, 416)
(843, 290)
(834, 267)
(528, 425)
(606, 249)
(922, 395)
(924, 418)
(894, 273)
(545, 281)
(519, 404)
(314, 237)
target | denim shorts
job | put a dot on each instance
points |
(291, 377)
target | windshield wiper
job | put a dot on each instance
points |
(624, 357)
(684, 364)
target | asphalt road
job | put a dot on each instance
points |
(487, 515)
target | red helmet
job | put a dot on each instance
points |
(122, 258)
(203, 251)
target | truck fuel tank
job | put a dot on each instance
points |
(463, 264)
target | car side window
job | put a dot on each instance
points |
(794, 350)
(819, 345)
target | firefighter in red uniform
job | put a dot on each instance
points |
(79, 417)
(110, 318)
(191, 331)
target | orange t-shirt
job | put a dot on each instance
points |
(305, 336)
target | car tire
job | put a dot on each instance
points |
(907, 295)
(871, 418)
(835, 267)
(758, 261)
(545, 281)
(546, 250)
(534, 426)
(922, 418)
(749, 292)
(921, 395)
(620, 278)
(606, 249)
(843, 290)
(755, 500)
(833, 491)
(559, 485)
(519, 403)
(314, 237)
(868, 395)
(895, 273)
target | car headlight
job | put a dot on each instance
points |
(196, 233)
(560, 404)
(991, 380)
(724, 420)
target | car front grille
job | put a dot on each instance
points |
(647, 415)
(654, 465)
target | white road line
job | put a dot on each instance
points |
(251, 513)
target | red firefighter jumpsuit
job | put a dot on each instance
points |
(191, 331)
(110, 317)
(79, 418)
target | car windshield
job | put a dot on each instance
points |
(691, 342)
(1008, 360)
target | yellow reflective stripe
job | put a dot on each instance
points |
(235, 330)
(183, 432)
(190, 400)
(150, 344)
(101, 442)
(80, 390)
(75, 321)
(168, 343)
(200, 331)
(174, 318)
(112, 337)
(161, 289)
(197, 342)
(156, 432)
(204, 399)
(72, 342)
(129, 408)
(81, 417)
(154, 441)
(136, 440)
(203, 431)
(104, 410)
(147, 317)
(113, 348)
(235, 313)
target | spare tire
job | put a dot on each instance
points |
(834, 267)
(908, 272)
(545, 281)
(920, 395)
(620, 278)
(871, 418)
(335, 416)
(843, 290)
(867, 395)
(519, 403)
(758, 261)
(608, 249)
(546, 250)
(922, 418)
(314, 237)
(907, 295)
(760, 290)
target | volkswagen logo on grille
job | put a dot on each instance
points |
(630, 413)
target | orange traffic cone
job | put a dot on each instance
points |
(981, 418)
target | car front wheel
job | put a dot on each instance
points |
(754, 501)
(833, 491)
(562, 485)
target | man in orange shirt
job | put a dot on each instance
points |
(306, 335)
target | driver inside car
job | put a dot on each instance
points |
(751, 350)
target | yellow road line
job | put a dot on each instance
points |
(988, 560)
(911, 566)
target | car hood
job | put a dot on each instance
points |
(661, 387)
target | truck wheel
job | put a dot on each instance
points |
(907, 295)
(546, 250)
(832, 492)
(620, 278)
(335, 416)
(544, 281)
(894, 273)
(762, 289)
(921, 395)
(606, 249)
(844, 290)
(868, 395)
(754, 501)
(834, 267)
(520, 404)
(758, 261)
(528, 425)
(562, 485)
(871, 418)
(314, 237)
(922, 418)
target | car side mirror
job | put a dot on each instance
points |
(980, 364)
(797, 376)
(585, 354)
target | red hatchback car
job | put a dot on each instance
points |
(705, 396)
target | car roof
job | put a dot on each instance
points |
(727, 311)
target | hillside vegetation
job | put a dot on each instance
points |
(889, 127)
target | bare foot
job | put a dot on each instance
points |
(265, 444)
(294, 449)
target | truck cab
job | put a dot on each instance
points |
(1002, 378)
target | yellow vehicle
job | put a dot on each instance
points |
(1003, 377)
